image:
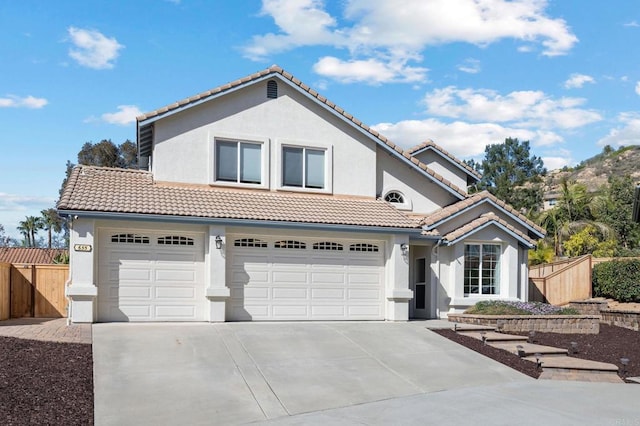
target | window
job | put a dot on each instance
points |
(364, 247)
(130, 239)
(327, 245)
(290, 244)
(175, 240)
(303, 167)
(250, 242)
(239, 162)
(481, 269)
(394, 197)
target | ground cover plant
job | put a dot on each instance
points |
(45, 383)
(502, 307)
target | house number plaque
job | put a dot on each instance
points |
(82, 247)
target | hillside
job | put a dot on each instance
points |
(595, 171)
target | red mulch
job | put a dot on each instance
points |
(45, 383)
(610, 345)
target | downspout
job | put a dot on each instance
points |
(435, 251)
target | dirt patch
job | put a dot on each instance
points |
(610, 345)
(45, 382)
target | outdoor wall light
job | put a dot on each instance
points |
(538, 355)
(520, 350)
(404, 247)
(218, 242)
(625, 363)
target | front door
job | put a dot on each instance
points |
(420, 287)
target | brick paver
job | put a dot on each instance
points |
(52, 330)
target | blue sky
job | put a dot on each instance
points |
(563, 74)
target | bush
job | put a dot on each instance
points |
(503, 307)
(618, 280)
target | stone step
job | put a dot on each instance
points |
(492, 336)
(529, 349)
(571, 363)
(470, 327)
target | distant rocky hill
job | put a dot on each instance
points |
(595, 171)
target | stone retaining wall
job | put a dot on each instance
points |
(625, 319)
(566, 324)
(589, 307)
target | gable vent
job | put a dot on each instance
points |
(272, 89)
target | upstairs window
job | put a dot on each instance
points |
(303, 167)
(238, 162)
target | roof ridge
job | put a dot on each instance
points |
(481, 220)
(429, 143)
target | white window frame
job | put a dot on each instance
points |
(497, 270)
(406, 205)
(328, 167)
(264, 161)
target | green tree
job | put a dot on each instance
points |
(29, 228)
(614, 207)
(510, 173)
(52, 223)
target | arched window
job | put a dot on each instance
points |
(394, 197)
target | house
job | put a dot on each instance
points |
(263, 200)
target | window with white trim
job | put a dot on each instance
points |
(238, 161)
(394, 197)
(130, 239)
(250, 242)
(364, 247)
(290, 244)
(303, 167)
(327, 245)
(482, 269)
(175, 240)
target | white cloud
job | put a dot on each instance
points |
(21, 203)
(627, 134)
(471, 66)
(92, 48)
(126, 115)
(632, 24)
(522, 108)
(371, 71)
(389, 32)
(638, 88)
(576, 81)
(464, 140)
(555, 163)
(31, 102)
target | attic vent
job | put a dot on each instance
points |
(272, 89)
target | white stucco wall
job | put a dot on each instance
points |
(444, 167)
(451, 296)
(425, 195)
(183, 149)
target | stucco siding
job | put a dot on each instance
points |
(444, 167)
(186, 138)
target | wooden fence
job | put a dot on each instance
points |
(32, 291)
(561, 282)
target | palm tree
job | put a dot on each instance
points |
(29, 227)
(51, 222)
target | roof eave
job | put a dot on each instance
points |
(520, 239)
(446, 157)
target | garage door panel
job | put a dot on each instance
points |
(290, 311)
(279, 293)
(356, 294)
(328, 311)
(289, 277)
(174, 275)
(249, 276)
(364, 311)
(363, 278)
(259, 293)
(153, 281)
(327, 278)
(318, 294)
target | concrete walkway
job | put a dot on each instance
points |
(48, 329)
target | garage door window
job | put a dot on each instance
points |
(250, 242)
(364, 247)
(327, 245)
(290, 244)
(130, 239)
(175, 240)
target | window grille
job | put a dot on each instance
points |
(327, 245)
(290, 244)
(364, 247)
(175, 240)
(272, 89)
(130, 239)
(249, 242)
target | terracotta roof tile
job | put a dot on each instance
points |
(444, 213)
(483, 219)
(276, 69)
(431, 144)
(96, 189)
(29, 255)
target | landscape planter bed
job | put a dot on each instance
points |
(564, 324)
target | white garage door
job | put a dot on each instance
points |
(303, 279)
(150, 276)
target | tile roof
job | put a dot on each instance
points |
(29, 255)
(97, 189)
(431, 144)
(468, 228)
(274, 69)
(447, 212)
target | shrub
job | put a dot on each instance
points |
(502, 307)
(618, 280)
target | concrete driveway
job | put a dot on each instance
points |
(322, 373)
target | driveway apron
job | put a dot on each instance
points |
(236, 373)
